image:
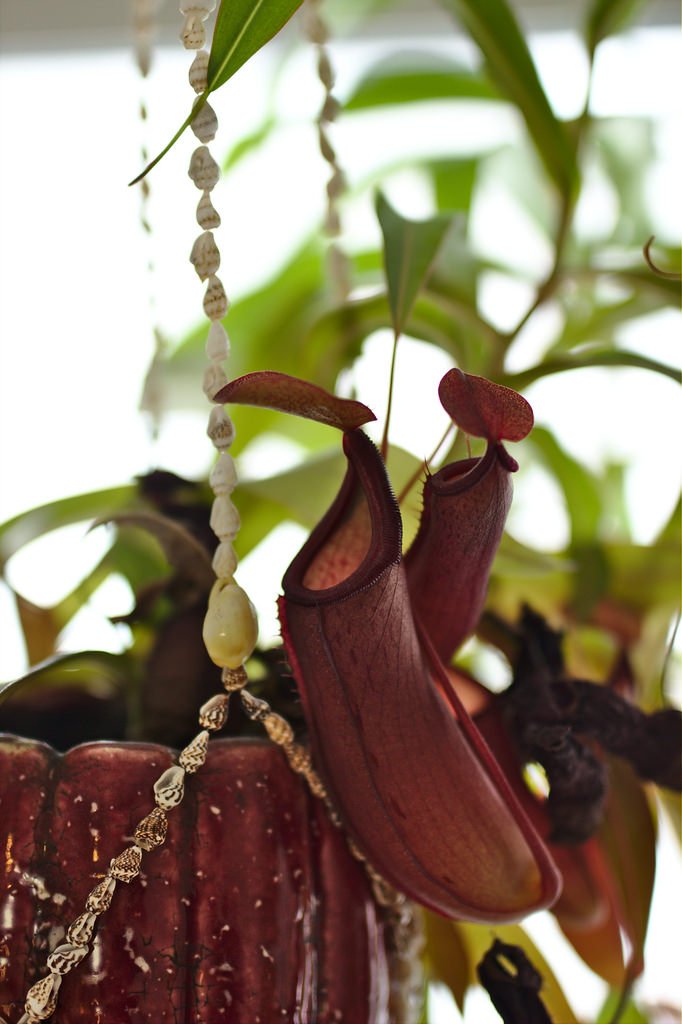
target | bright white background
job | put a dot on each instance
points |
(75, 322)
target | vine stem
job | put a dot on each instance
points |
(568, 203)
(383, 448)
(424, 468)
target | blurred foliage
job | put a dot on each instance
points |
(613, 597)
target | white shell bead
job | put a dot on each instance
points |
(278, 729)
(326, 148)
(169, 788)
(200, 8)
(80, 931)
(224, 521)
(41, 998)
(316, 28)
(331, 109)
(223, 476)
(214, 380)
(205, 124)
(234, 679)
(194, 754)
(151, 831)
(217, 343)
(203, 170)
(215, 299)
(324, 70)
(99, 898)
(220, 428)
(126, 865)
(336, 185)
(198, 72)
(207, 215)
(332, 221)
(213, 714)
(205, 255)
(225, 561)
(258, 710)
(230, 627)
(65, 957)
(193, 35)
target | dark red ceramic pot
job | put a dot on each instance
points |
(252, 912)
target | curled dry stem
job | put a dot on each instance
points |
(668, 275)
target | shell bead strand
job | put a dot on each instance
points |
(196, 12)
(338, 264)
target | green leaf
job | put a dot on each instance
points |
(40, 628)
(413, 77)
(626, 148)
(453, 182)
(589, 320)
(82, 668)
(185, 554)
(305, 492)
(493, 27)
(242, 28)
(24, 528)
(446, 956)
(589, 357)
(606, 17)
(249, 143)
(579, 486)
(628, 837)
(410, 248)
(645, 577)
(629, 1014)
(477, 939)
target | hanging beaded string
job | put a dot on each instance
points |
(144, 19)
(338, 263)
(230, 626)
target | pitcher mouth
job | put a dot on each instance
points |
(365, 483)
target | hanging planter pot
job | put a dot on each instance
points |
(252, 910)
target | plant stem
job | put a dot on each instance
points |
(389, 406)
(424, 466)
(568, 203)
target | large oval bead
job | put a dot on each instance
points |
(230, 626)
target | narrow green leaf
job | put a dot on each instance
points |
(410, 248)
(494, 29)
(606, 17)
(590, 357)
(169, 145)
(417, 76)
(242, 28)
